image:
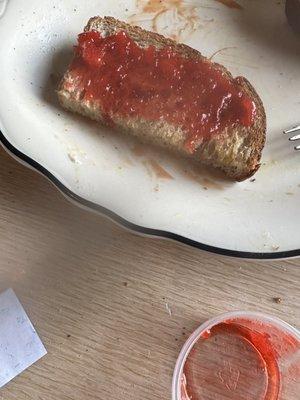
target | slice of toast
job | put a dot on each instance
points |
(235, 148)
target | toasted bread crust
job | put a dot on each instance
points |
(237, 150)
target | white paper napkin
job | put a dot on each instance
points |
(20, 345)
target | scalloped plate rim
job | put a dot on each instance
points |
(138, 229)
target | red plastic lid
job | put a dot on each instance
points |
(239, 356)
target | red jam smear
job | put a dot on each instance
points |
(261, 344)
(158, 84)
(276, 352)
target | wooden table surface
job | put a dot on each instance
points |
(113, 309)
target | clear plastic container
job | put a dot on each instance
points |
(239, 356)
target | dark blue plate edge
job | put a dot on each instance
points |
(137, 228)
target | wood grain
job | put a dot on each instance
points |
(101, 297)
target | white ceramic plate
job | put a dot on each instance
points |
(107, 172)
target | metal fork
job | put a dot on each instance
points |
(295, 137)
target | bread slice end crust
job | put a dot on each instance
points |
(236, 150)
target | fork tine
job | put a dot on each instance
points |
(294, 129)
(293, 138)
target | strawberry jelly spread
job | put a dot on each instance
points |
(246, 359)
(153, 84)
